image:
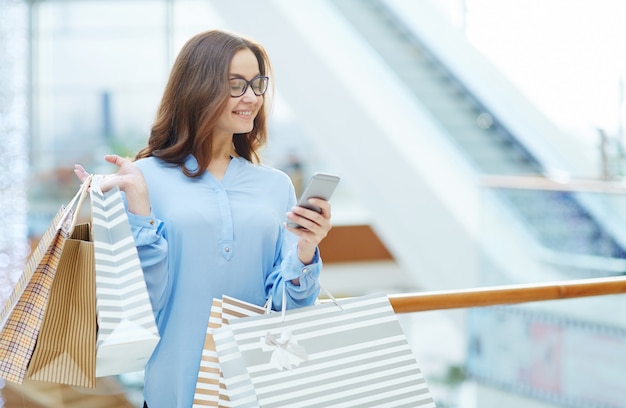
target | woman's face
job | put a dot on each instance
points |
(239, 114)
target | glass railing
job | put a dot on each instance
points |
(546, 239)
(540, 229)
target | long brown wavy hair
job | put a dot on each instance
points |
(196, 93)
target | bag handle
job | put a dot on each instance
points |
(268, 304)
(77, 201)
(96, 182)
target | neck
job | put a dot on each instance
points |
(223, 148)
(222, 154)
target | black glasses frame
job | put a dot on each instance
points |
(249, 84)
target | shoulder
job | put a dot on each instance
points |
(153, 164)
(147, 163)
(266, 173)
(158, 172)
(267, 180)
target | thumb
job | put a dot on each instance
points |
(114, 159)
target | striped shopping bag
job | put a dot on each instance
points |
(207, 392)
(352, 353)
(127, 332)
(210, 388)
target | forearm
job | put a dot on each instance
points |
(306, 252)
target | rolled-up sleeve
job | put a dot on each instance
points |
(292, 268)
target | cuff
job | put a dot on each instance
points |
(294, 268)
(146, 229)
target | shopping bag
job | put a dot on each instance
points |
(65, 352)
(210, 388)
(353, 353)
(127, 332)
(23, 312)
(208, 383)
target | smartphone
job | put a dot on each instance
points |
(321, 185)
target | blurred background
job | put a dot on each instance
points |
(480, 142)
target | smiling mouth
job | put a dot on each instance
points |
(243, 113)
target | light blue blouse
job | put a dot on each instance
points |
(206, 238)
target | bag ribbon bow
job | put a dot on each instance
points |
(286, 352)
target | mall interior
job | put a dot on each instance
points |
(479, 144)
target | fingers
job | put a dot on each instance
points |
(115, 159)
(321, 204)
(317, 217)
(315, 226)
(80, 172)
(107, 182)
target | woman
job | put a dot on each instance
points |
(207, 217)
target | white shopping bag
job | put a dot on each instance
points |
(352, 353)
(127, 332)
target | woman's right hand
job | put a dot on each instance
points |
(128, 178)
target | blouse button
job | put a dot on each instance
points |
(151, 222)
(227, 249)
(305, 271)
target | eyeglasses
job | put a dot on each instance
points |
(239, 86)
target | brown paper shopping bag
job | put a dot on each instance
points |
(210, 388)
(65, 352)
(23, 313)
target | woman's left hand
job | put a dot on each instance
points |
(315, 227)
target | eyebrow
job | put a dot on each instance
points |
(233, 75)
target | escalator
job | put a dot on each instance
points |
(557, 219)
(471, 126)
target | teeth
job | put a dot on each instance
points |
(246, 113)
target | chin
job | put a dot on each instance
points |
(246, 129)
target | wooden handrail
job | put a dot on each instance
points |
(503, 295)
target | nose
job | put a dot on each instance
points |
(249, 95)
